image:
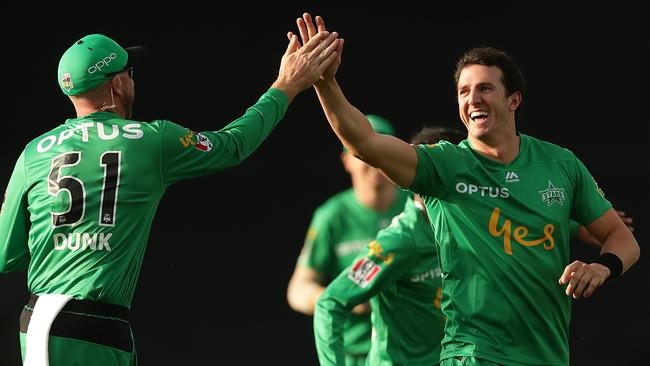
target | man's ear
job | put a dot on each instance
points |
(117, 84)
(515, 100)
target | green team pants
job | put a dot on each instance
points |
(85, 333)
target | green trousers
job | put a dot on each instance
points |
(73, 352)
(83, 333)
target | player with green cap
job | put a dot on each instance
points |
(82, 197)
(92, 60)
(339, 229)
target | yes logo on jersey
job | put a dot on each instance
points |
(363, 271)
(199, 141)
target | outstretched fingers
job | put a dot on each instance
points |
(328, 61)
(293, 45)
(320, 23)
(309, 23)
(302, 29)
(321, 43)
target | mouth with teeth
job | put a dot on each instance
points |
(479, 116)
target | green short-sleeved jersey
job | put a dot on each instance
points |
(400, 274)
(82, 197)
(503, 236)
(340, 229)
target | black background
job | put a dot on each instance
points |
(222, 247)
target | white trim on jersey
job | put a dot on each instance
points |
(46, 309)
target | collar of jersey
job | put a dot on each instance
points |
(521, 156)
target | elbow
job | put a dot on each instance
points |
(637, 252)
(298, 301)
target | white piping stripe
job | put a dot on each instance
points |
(46, 309)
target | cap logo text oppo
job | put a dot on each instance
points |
(103, 62)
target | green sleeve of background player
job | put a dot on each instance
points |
(187, 153)
(14, 222)
(317, 252)
(385, 260)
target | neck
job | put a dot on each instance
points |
(379, 199)
(84, 109)
(504, 151)
(99, 100)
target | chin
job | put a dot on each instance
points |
(478, 132)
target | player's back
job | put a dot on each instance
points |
(93, 186)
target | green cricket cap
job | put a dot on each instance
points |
(381, 124)
(92, 60)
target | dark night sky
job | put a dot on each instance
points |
(222, 247)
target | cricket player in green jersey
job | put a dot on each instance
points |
(506, 200)
(340, 229)
(399, 273)
(81, 199)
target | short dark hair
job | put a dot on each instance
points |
(433, 134)
(513, 77)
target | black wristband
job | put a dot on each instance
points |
(611, 261)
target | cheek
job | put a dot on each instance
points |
(462, 106)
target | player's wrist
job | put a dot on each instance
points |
(612, 262)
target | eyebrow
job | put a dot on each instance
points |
(485, 83)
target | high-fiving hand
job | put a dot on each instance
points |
(308, 30)
(302, 66)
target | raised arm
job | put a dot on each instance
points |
(396, 159)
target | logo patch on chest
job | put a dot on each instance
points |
(551, 195)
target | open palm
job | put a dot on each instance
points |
(307, 30)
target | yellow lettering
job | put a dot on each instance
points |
(520, 233)
(187, 140)
(548, 232)
(436, 301)
(494, 220)
(376, 250)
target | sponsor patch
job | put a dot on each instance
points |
(66, 81)
(363, 271)
(199, 141)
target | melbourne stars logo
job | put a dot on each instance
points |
(552, 194)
